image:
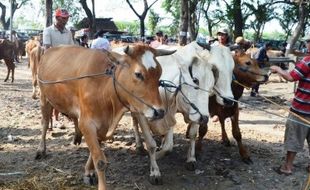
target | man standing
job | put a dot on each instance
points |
(100, 42)
(262, 58)
(57, 34)
(298, 122)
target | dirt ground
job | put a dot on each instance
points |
(219, 167)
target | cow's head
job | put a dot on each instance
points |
(140, 75)
(221, 58)
(197, 81)
(247, 70)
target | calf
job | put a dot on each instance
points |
(7, 53)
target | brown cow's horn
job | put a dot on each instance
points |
(162, 52)
(128, 50)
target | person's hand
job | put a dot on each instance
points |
(274, 69)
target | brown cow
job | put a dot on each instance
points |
(95, 89)
(248, 73)
(7, 53)
(30, 44)
(34, 60)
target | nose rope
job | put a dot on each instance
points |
(305, 122)
(115, 82)
(247, 69)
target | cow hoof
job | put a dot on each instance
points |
(141, 151)
(77, 139)
(226, 143)
(90, 179)
(40, 155)
(247, 160)
(34, 97)
(5, 80)
(156, 180)
(191, 166)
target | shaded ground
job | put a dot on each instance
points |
(219, 167)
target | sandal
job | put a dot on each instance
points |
(279, 171)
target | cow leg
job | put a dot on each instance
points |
(89, 175)
(237, 135)
(100, 161)
(78, 135)
(167, 144)
(203, 129)
(225, 139)
(139, 145)
(155, 175)
(46, 110)
(191, 163)
(34, 85)
(13, 72)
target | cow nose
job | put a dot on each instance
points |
(266, 77)
(204, 119)
(228, 102)
(158, 113)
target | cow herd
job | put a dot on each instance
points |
(94, 89)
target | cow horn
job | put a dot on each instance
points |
(162, 52)
(204, 46)
(128, 50)
(215, 72)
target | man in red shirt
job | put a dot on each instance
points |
(298, 122)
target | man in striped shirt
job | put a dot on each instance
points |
(298, 122)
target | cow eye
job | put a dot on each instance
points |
(139, 76)
(196, 81)
(248, 63)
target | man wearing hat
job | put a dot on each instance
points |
(223, 36)
(57, 34)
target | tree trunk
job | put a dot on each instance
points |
(238, 19)
(303, 12)
(49, 12)
(183, 23)
(90, 16)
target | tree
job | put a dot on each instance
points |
(49, 12)
(303, 8)
(142, 16)
(173, 7)
(91, 16)
(184, 23)
(288, 19)
(16, 4)
(153, 21)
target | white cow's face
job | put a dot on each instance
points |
(220, 56)
(194, 98)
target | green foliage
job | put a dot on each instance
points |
(153, 20)
(133, 28)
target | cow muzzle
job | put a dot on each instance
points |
(158, 114)
(228, 102)
(203, 119)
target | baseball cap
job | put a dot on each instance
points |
(62, 13)
(223, 31)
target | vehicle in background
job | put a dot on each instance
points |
(22, 36)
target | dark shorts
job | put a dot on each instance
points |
(296, 133)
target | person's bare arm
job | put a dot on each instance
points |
(286, 75)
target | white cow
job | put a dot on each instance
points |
(196, 72)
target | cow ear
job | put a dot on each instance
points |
(113, 57)
(215, 73)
